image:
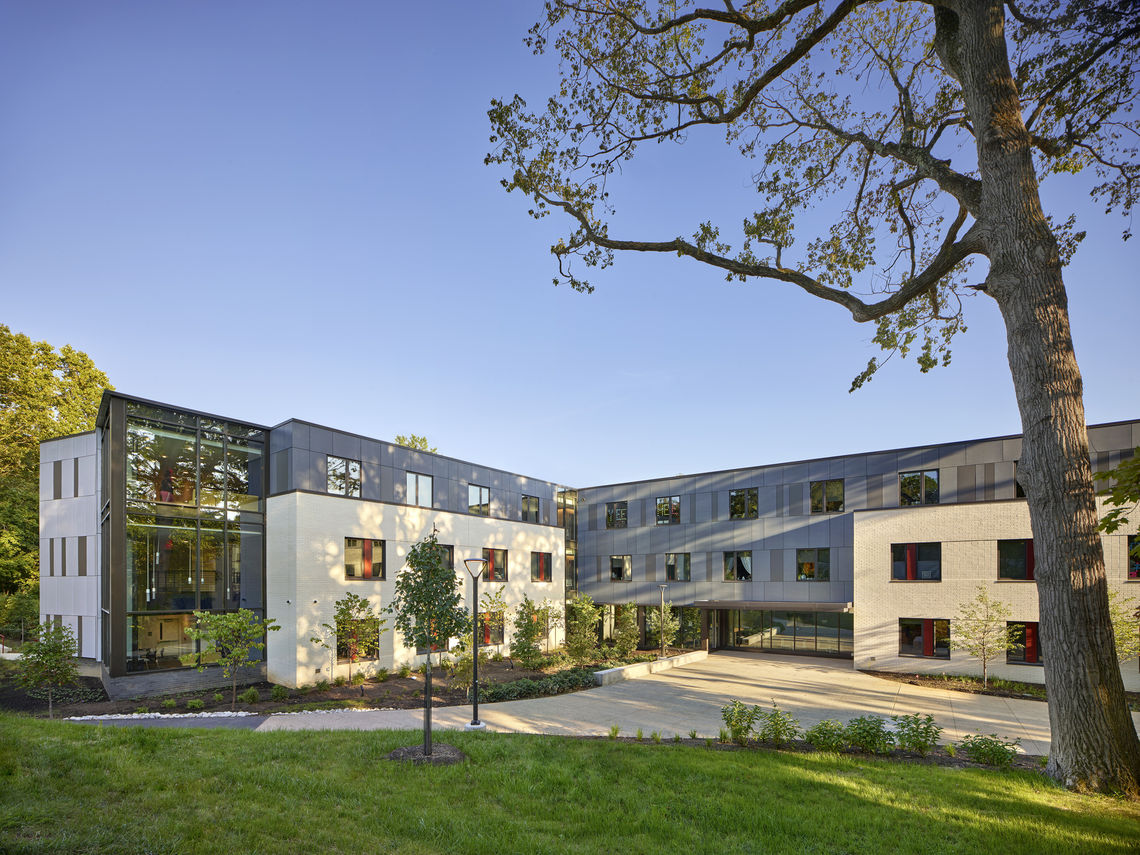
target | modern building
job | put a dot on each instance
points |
(161, 511)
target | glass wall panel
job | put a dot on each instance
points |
(161, 464)
(212, 471)
(805, 631)
(827, 632)
(160, 564)
(157, 641)
(846, 633)
(211, 568)
(243, 566)
(782, 633)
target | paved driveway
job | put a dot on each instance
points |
(690, 698)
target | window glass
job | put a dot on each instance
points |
(530, 508)
(161, 464)
(335, 472)
(813, 565)
(616, 514)
(621, 568)
(478, 500)
(157, 642)
(1133, 558)
(677, 567)
(1015, 559)
(491, 626)
(924, 637)
(827, 496)
(540, 568)
(363, 558)
(419, 490)
(357, 640)
(352, 480)
(918, 488)
(668, 510)
(161, 557)
(916, 561)
(738, 566)
(1026, 644)
(243, 567)
(496, 569)
(744, 504)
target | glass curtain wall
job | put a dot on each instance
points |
(818, 633)
(195, 528)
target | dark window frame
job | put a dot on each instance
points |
(1131, 561)
(417, 499)
(1028, 571)
(672, 508)
(910, 556)
(929, 633)
(744, 504)
(367, 560)
(479, 503)
(544, 572)
(529, 513)
(817, 563)
(1027, 651)
(352, 486)
(822, 500)
(617, 514)
(734, 566)
(672, 567)
(624, 571)
(924, 496)
(491, 573)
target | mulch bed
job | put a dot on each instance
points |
(933, 682)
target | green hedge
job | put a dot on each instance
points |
(556, 684)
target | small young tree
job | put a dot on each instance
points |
(232, 637)
(493, 613)
(1125, 616)
(582, 617)
(528, 629)
(428, 610)
(662, 625)
(981, 629)
(49, 662)
(354, 632)
(550, 615)
(626, 631)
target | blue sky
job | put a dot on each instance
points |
(280, 209)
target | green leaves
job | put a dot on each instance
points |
(49, 662)
(427, 604)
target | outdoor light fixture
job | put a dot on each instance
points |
(475, 566)
(661, 624)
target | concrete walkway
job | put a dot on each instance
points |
(690, 698)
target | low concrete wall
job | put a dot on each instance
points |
(642, 669)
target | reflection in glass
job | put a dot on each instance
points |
(161, 464)
(738, 566)
(211, 568)
(335, 472)
(243, 566)
(155, 642)
(160, 564)
(827, 632)
(805, 631)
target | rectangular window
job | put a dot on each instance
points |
(1133, 558)
(419, 490)
(677, 567)
(363, 558)
(813, 565)
(744, 504)
(621, 568)
(827, 496)
(918, 488)
(738, 566)
(448, 555)
(478, 500)
(916, 562)
(343, 476)
(1026, 649)
(491, 628)
(357, 640)
(530, 509)
(616, 514)
(1015, 559)
(924, 637)
(668, 510)
(540, 567)
(496, 569)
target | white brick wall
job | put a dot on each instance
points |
(968, 534)
(305, 570)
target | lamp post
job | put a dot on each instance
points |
(475, 567)
(661, 625)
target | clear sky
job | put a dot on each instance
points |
(280, 209)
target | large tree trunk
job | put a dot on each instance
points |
(1094, 743)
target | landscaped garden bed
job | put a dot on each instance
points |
(973, 685)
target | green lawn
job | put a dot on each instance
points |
(71, 788)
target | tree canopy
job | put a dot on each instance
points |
(419, 443)
(923, 129)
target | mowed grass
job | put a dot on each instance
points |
(72, 788)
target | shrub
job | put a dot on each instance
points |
(340, 680)
(582, 617)
(639, 735)
(357, 679)
(990, 750)
(778, 727)
(322, 685)
(555, 684)
(250, 696)
(868, 733)
(528, 629)
(740, 720)
(916, 733)
(656, 737)
(676, 737)
(381, 675)
(143, 710)
(693, 733)
(279, 693)
(195, 704)
(828, 735)
(723, 735)
(404, 671)
(614, 731)
(219, 698)
(626, 631)
(169, 704)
